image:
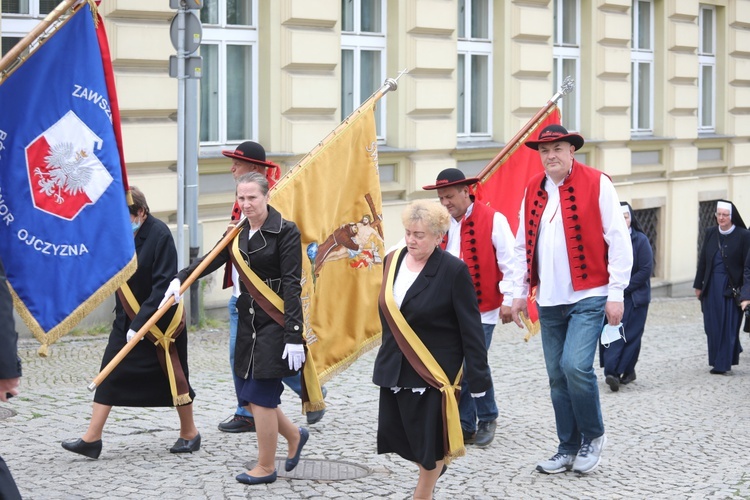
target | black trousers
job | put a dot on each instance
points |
(8, 488)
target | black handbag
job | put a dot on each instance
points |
(746, 328)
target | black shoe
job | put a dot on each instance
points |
(626, 378)
(91, 450)
(313, 417)
(613, 382)
(469, 437)
(714, 371)
(485, 433)
(185, 446)
(239, 423)
(246, 478)
(291, 463)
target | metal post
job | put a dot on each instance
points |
(181, 135)
(191, 186)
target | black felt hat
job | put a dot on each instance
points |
(451, 177)
(252, 152)
(556, 133)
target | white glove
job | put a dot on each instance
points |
(174, 289)
(296, 355)
(131, 333)
(478, 394)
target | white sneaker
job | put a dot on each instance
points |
(558, 463)
(590, 454)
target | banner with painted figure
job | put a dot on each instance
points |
(333, 195)
(503, 190)
(67, 240)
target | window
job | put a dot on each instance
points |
(474, 70)
(229, 86)
(707, 69)
(566, 52)
(20, 17)
(362, 56)
(642, 68)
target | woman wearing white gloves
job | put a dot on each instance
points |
(268, 256)
(143, 379)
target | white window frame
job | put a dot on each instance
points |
(561, 52)
(641, 56)
(706, 59)
(223, 35)
(467, 47)
(359, 41)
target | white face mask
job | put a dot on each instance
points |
(610, 333)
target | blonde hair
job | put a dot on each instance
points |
(433, 215)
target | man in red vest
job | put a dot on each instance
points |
(481, 237)
(573, 244)
(246, 158)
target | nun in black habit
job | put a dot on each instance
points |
(720, 273)
(619, 358)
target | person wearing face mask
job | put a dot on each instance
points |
(619, 358)
(718, 282)
(143, 378)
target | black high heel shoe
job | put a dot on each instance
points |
(91, 450)
(184, 446)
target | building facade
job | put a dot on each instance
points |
(662, 96)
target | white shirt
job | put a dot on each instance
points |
(502, 239)
(555, 283)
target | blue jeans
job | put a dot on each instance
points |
(294, 381)
(570, 336)
(484, 408)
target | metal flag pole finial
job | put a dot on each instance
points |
(567, 86)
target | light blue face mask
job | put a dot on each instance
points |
(136, 226)
(610, 333)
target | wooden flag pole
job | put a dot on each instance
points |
(163, 309)
(14, 58)
(521, 135)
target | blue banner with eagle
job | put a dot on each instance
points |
(67, 241)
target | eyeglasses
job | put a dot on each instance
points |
(718, 215)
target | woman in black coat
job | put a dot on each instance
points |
(433, 293)
(269, 344)
(720, 270)
(619, 358)
(141, 379)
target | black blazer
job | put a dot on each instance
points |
(441, 306)
(10, 365)
(157, 264)
(736, 247)
(274, 253)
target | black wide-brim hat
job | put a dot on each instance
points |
(252, 152)
(556, 133)
(451, 177)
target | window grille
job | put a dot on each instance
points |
(706, 219)
(649, 221)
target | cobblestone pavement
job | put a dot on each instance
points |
(676, 432)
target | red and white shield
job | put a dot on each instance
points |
(64, 173)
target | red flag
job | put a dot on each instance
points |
(503, 190)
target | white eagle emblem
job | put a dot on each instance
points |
(67, 172)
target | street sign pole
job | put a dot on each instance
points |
(186, 33)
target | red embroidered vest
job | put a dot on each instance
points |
(582, 225)
(478, 252)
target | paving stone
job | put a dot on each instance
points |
(676, 432)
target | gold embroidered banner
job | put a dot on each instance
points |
(333, 195)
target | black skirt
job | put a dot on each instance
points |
(411, 425)
(139, 379)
